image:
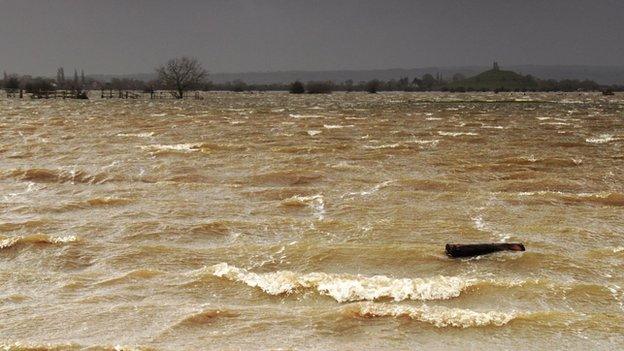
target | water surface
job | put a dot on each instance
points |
(258, 221)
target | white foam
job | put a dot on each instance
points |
(454, 134)
(343, 287)
(371, 191)
(438, 316)
(314, 132)
(602, 139)
(478, 222)
(6, 242)
(189, 147)
(138, 135)
(336, 126)
(384, 146)
(432, 142)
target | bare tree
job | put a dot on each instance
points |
(181, 74)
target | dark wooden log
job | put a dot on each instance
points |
(469, 250)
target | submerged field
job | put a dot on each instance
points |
(259, 221)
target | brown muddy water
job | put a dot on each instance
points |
(273, 221)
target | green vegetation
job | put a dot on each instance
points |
(500, 80)
(495, 80)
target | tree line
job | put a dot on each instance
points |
(184, 74)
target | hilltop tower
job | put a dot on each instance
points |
(495, 66)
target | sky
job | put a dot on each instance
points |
(134, 36)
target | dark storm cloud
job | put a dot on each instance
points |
(134, 36)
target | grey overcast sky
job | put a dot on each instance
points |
(133, 36)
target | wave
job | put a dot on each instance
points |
(34, 223)
(12, 241)
(346, 288)
(314, 132)
(371, 191)
(549, 161)
(138, 135)
(188, 147)
(601, 198)
(337, 126)
(539, 185)
(428, 185)
(601, 139)
(316, 202)
(21, 346)
(304, 116)
(204, 317)
(138, 274)
(107, 201)
(454, 134)
(384, 146)
(285, 178)
(91, 203)
(44, 175)
(438, 316)
(219, 227)
(430, 142)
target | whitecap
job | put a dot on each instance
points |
(189, 147)
(343, 287)
(384, 146)
(138, 135)
(454, 134)
(438, 316)
(602, 139)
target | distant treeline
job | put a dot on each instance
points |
(80, 82)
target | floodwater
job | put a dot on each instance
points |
(274, 221)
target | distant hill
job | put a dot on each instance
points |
(600, 74)
(496, 79)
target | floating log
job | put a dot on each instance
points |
(469, 250)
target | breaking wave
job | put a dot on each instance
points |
(336, 126)
(454, 134)
(346, 288)
(601, 139)
(138, 135)
(12, 241)
(438, 316)
(384, 146)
